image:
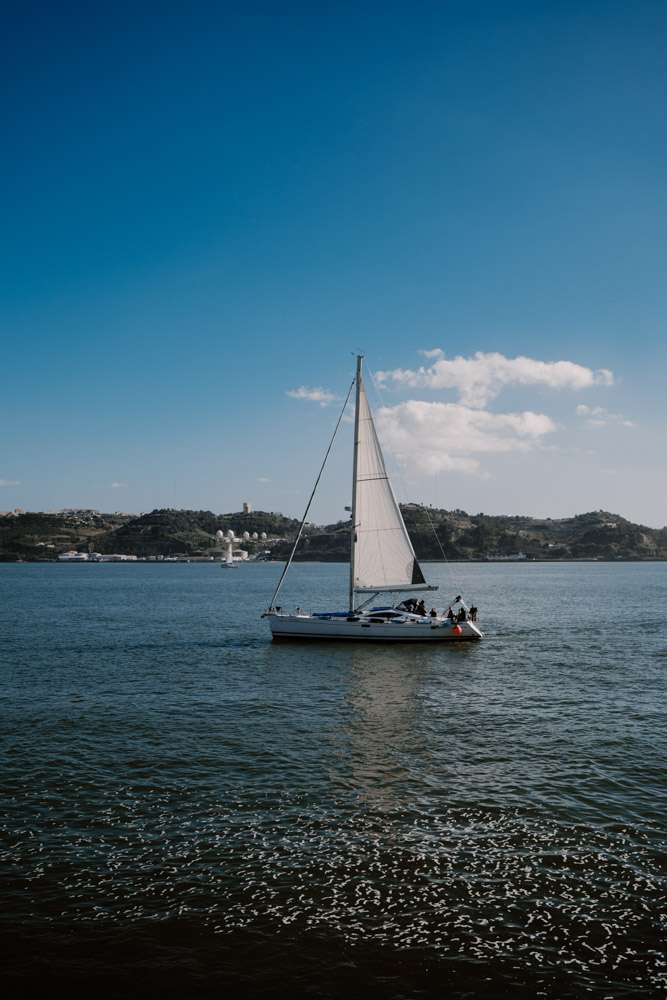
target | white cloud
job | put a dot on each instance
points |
(480, 378)
(263, 479)
(597, 416)
(9, 482)
(439, 437)
(118, 486)
(316, 395)
(435, 352)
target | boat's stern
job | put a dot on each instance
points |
(470, 631)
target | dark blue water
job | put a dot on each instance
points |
(189, 810)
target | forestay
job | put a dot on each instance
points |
(383, 556)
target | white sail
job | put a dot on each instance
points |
(383, 557)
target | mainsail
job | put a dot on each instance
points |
(382, 553)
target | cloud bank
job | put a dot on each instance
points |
(9, 482)
(480, 378)
(438, 437)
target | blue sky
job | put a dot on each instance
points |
(205, 208)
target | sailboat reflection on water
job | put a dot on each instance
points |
(382, 559)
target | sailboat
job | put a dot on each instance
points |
(229, 562)
(382, 559)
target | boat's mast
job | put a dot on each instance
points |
(353, 526)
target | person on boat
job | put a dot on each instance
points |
(434, 613)
(472, 613)
(458, 606)
(421, 608)
(450, 613)
(461, 614)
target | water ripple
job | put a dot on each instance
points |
(220, 810)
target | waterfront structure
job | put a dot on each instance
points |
(512, 557)
(73, 556)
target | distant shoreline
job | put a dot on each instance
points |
(141, 561)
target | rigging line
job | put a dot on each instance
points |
(437, 536)
(448, 566)
(305, 515)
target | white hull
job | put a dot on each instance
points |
(309, 627)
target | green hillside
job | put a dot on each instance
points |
(167, 532)
(37, 536)
(596, 535)
(192, 532)
(42, 536)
